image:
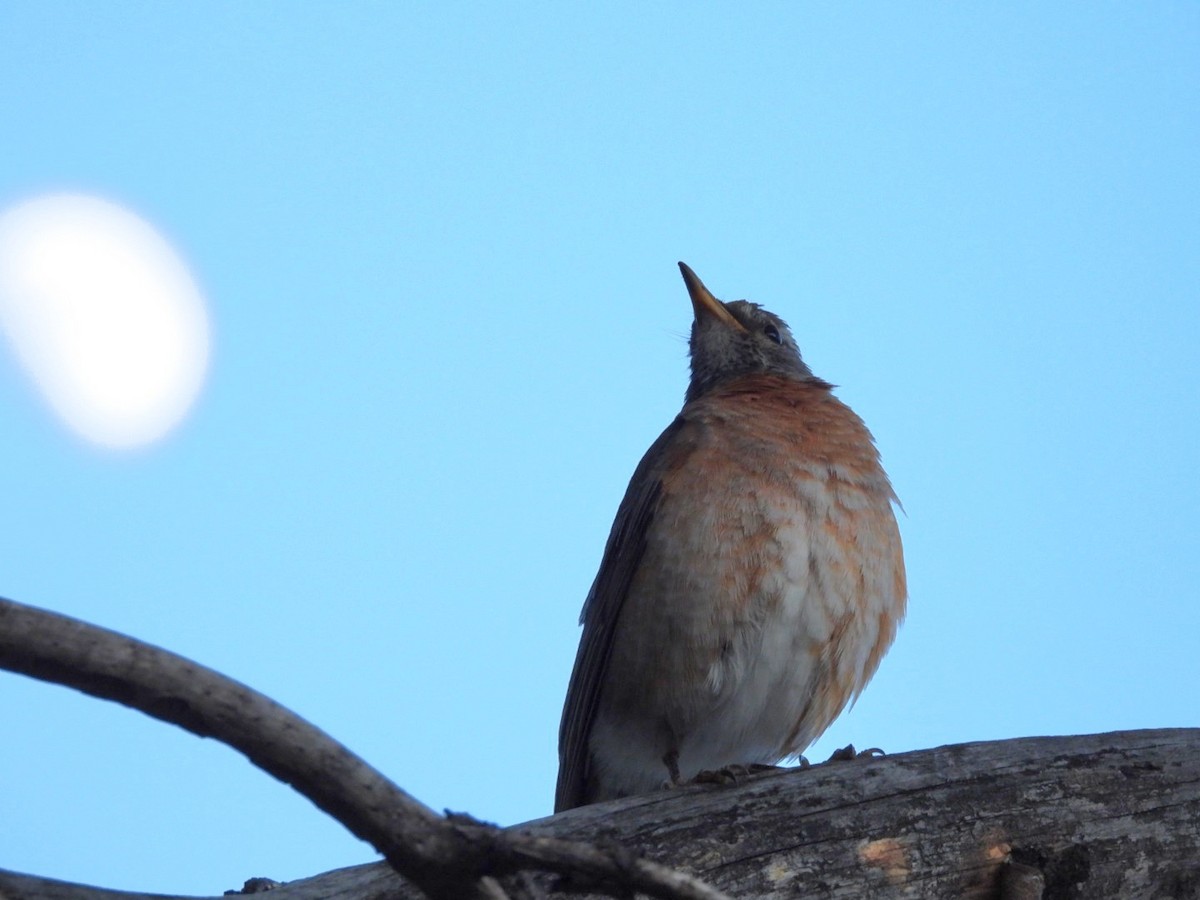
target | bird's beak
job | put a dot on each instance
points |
(704, 303)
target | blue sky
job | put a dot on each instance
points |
(438, 247)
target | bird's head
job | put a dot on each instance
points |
(738, 338)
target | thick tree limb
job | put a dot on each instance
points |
(445, 857)
(1111, 816)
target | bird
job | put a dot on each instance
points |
(752, 580)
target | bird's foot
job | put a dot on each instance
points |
(732, 774)
(257, 886)
(848, 753)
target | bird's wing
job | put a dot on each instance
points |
(602, 609)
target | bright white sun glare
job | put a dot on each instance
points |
(103, 315)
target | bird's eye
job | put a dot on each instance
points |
(773, 333)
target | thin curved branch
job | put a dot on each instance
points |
(444, 857)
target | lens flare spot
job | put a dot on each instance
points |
(103, 315)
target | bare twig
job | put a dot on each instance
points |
(446, 859)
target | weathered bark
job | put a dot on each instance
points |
(1110, 815)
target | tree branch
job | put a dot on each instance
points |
(446, 858)
(1109, 815)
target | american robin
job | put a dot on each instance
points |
(751, 583)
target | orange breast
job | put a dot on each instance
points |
(772, 582)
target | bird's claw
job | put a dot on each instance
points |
(848, 754)
(723, 775)
(733, 773)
